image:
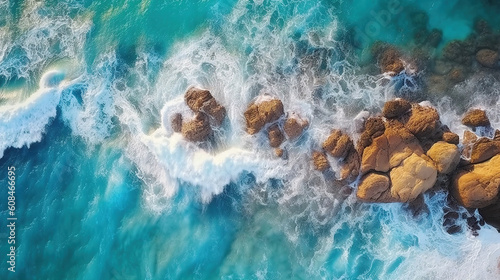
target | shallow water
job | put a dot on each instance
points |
(105, 190)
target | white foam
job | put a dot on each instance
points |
(24, 123)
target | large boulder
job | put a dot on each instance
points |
(198, 129)
(390, 149)
(275, 136)
(294, 126)
(338, 144)
(258, 114)
(375, 187)
(476, 117)
(320, 161)
(412, 178)
(423, 121)
(469, 139)
(484, 149)
(476, 185)
(395, 108)
(446, 156)
(488, 58)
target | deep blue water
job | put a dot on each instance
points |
(103, 191)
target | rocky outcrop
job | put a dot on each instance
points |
(197, 129)
(260, 113)
(488, 58)
(476, 185)
(294, 126)
(374, 127)
(475, 118)
(320, 161)
(395, 108)
(208, 113)
(446, 156)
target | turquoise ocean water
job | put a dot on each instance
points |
(104, 191)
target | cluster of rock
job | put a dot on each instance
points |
(403, 153)
(267, 113)
(340, 147)
(208, 114)
(399, 155)
(408, 151)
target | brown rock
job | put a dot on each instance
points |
(395, 108)
(412, 178)
(476, 117)
(275, 136)
(476, 186)
(451, 138)
(469, 139)
(214, 110)
(350, 166)
(488, 58)
(338, 144)
(196, 97)
(376, 156)
(484, 149)
(201, 100)
(279, 152)
(320, 161)
(197, 129)
(375, 187)
(294, 126)
(176, 122)
(259, 114)
(446, 156)
(423, 121)
(497, 135)
(374, 127)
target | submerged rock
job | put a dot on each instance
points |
(261, 113)
(476, 185)
(475, 118)
(389, 59)
(488, 58)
